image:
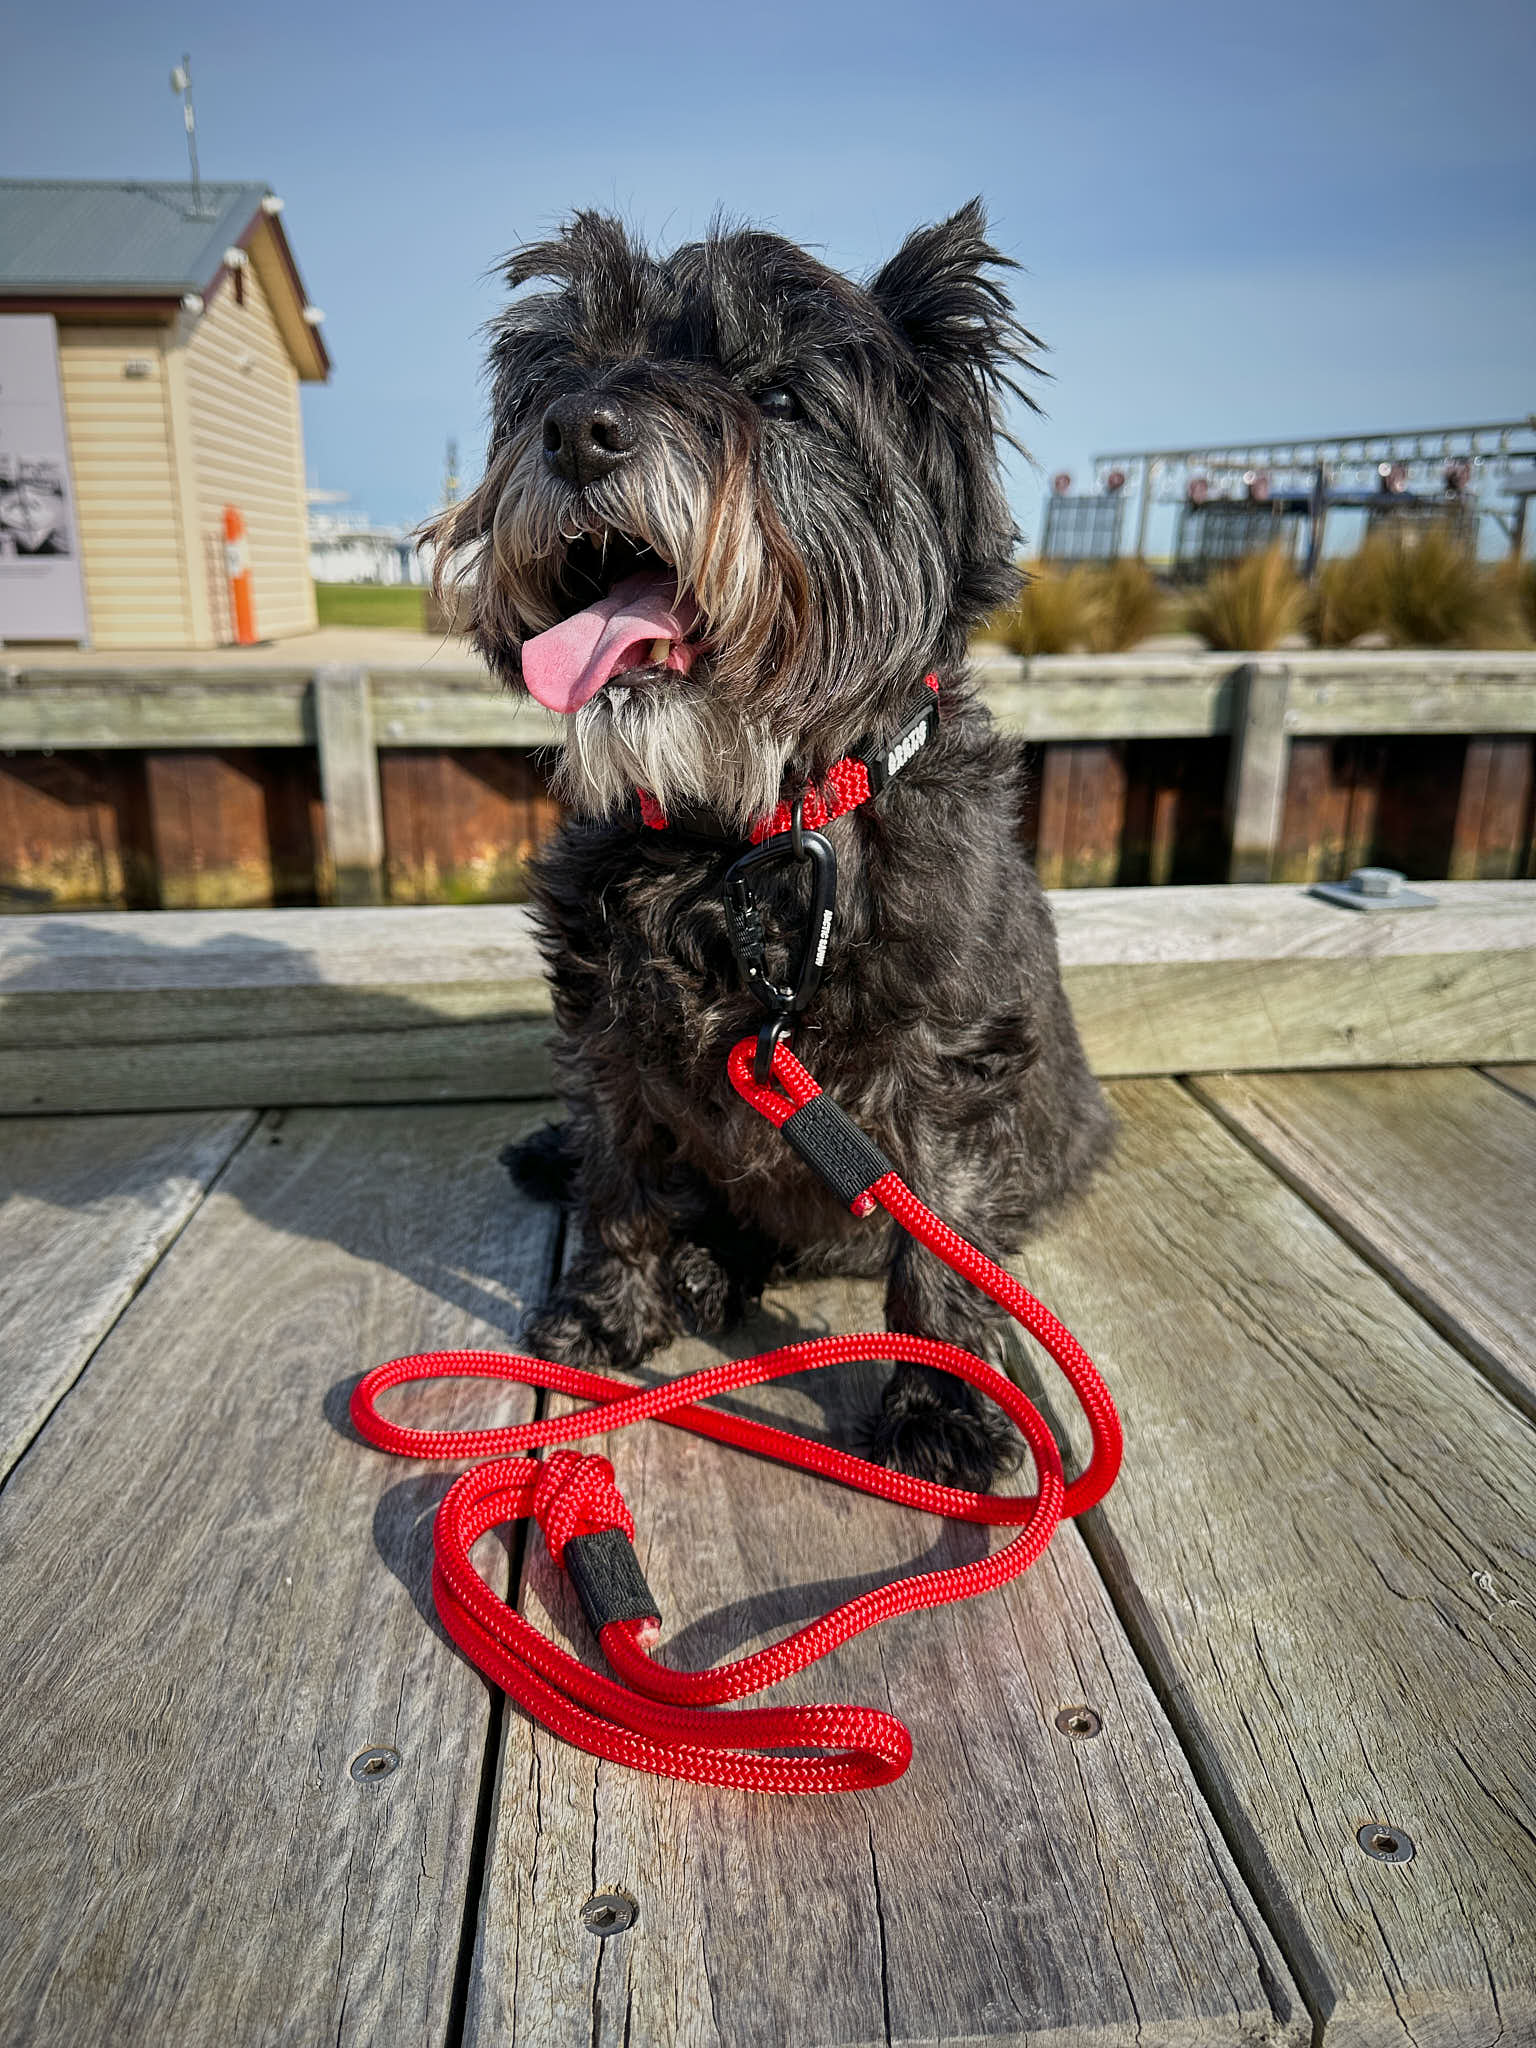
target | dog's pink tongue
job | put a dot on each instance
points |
(572, 661)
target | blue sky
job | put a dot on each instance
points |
(1234, 221)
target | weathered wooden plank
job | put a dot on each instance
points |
(1448, 694)
(1521, 1079)
(1198, 980)
(410, 711)
(1256, 770)
(1436, 1009)
(295, 962)
(85, 1211)
(1170, 980)
(421, 1061)
(1110, 707)
(1332, 799)
(1070, 697)
(1015, 1886)
(73, 831)
(349, 783)
(1202, 926)
(1082, 816)
(1323, 1544)
(233, 830)
(266, 708)
(1140, 696)
(1431, 1175)
(462, 826)
(197, 1636)
(1491, 837)
(196, 713)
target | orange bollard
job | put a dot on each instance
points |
(237, 566)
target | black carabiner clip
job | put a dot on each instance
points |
(744, 921)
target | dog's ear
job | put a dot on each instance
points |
(937, 291)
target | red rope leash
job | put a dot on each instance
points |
(670, 1722)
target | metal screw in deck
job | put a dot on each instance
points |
(370, 1764)
(1385, 1844)
(1081, 1723)
(608, 1913)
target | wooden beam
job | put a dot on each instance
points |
(158, 712)
(412, 711)
(1151, 706)
(1257, 769)
(1444, 694)
(349, 783)
(213, 1009)
(1178, 981)
(1056, 697)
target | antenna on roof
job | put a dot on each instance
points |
(181, 82)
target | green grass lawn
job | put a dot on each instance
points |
(372, 604)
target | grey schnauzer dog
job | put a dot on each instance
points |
(736, 510)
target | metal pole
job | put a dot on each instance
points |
(1319, 513)
(1148, 471)
(190, 117)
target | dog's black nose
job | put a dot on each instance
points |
(587, 436)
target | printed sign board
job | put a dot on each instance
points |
(42, 588)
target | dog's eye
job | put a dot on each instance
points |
(779, 404)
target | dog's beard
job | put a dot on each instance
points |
(668, 737)
(693, 742)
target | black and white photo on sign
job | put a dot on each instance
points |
(34, 508)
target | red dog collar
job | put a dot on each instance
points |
(849, 782)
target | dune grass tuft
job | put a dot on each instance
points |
(1131, 607)
(1055, 612)
(1249, 607)
(1437, 594)
(1080, 610)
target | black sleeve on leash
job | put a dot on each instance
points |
(608, 1580)
(848, 1161)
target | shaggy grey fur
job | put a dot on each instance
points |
(817, 461)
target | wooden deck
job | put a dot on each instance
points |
(1308, 1610)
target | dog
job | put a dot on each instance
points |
(736, 509)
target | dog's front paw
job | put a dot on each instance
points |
(565, 1335)
(707, 1298)
(950, 1442)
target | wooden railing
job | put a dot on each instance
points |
(1086, 715)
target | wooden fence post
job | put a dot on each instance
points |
(349, 784)
(1261, 750)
